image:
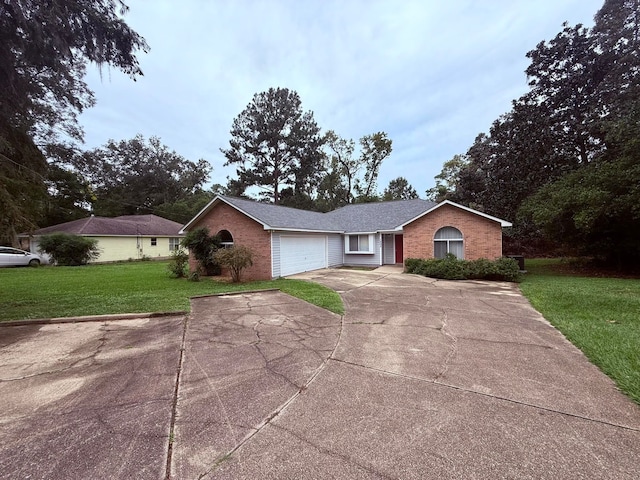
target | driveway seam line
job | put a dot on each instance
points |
(174, 406)
(497, 397)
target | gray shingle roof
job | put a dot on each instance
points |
(355, 218)
(129, 225)
(276, 216)
(361, 217)
(378, 216)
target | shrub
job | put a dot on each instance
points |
(236, 259)
(178, 263)
(450, 268)
(507, 269)
(203, 246)
(67, 249)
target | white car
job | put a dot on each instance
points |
(12, 257)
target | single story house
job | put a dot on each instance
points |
(286, 240)
(129, 237)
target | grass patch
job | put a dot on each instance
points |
(134, 287)
(598, 315)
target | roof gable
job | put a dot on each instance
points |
(272, 217)
(503, 223)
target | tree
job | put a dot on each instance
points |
(374, 149)
(70, 250)
(348, 179)
(44, 48)
(69, 196)
(338, 184)
(399, 189)
(595, 210)
(275, 145)
(448, 178)
(138, 176)
(22, 183)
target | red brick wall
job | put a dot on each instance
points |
(245, 232)
(482, 237)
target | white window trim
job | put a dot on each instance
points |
(358, 252)
(174, 244)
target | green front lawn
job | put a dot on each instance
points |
(134, 287)
(601, 316)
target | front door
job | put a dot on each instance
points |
(399, 252)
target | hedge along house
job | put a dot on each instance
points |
(129, 237)
(287, 240)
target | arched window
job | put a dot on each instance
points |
(226, 239)
(448, 240)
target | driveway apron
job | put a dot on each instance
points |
(428, 379)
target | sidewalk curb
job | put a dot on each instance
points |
(91, 318)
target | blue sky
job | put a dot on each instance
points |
(432, 74)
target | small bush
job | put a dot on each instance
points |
(450, 268)
(178, 263)
(235, 258)
(67, 249)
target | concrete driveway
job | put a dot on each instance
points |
(419, 379)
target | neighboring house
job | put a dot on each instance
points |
(286, 240)
(120, 238)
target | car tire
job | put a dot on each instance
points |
(34, 262)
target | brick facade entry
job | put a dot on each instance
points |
(482, 237)
(244, 231)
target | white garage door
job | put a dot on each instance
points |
(302, 253)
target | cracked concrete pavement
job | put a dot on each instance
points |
(419, 379)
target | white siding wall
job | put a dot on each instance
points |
(388, 249)
(275, 254)
(336, 250)
(372, 260)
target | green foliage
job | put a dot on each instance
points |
(69, 250)
(374, 148)
(399, 189)
(236, 258)
(203, 246)
(450, 268)
(447, 180)
(137, 176)
(274, 145)
(596, 209)
(70, 196)
(563, 163)
(44, 50)
(179, 263)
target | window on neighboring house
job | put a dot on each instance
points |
(154, 241)
(448, 240)
(226, 239)
(362, 243)
(174, 244)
